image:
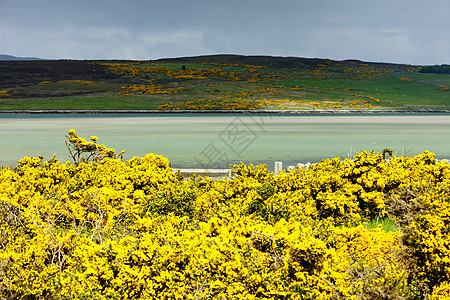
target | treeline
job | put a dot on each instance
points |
(437, 69)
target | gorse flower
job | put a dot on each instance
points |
(84, 151)
(106, 228)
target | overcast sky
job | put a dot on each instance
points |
(400, 31)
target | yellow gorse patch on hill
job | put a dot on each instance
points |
(146, 89)
(78, 82)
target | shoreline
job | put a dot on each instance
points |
(281, 112)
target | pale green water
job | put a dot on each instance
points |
(216, 140)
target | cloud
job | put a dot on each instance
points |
(103, 42)
(407, 31)
(372, 44)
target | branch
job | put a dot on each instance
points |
(338, 295)
(269, 237)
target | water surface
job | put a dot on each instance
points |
(193, 140)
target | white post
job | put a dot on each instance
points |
(277, 168)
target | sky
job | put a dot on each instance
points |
(398, 31)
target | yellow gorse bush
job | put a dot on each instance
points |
(78, 146)
(104, 228)
(146, 89)
(78, 82)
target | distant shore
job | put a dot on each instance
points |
(285, 112)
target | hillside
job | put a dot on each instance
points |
(220, 82)
(11, 57)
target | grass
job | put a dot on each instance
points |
(106, 102)
(386, 223)
(278, 83)
(387, 88)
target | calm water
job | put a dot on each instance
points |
(190, 140)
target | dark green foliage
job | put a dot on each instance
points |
(437, 69)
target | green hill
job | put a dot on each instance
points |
(221, 82)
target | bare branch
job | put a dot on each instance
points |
(336, 292)
(269, 237)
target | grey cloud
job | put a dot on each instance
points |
(407, 31)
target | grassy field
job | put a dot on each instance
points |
(220, 82)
